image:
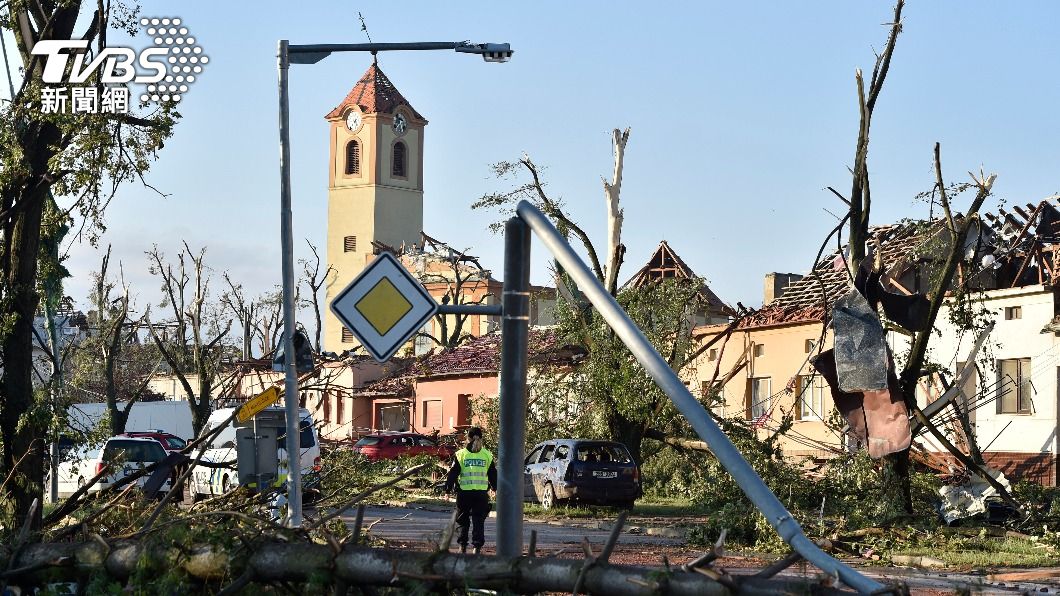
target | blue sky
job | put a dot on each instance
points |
(741, 114)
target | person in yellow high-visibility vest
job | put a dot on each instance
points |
(473, 474)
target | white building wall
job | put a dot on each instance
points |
(1013, 338)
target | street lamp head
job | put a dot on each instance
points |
(490, 52)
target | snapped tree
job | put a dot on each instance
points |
(619, 394)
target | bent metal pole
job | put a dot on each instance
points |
(704, 425)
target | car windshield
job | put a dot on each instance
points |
(175, 443)
(366, 441)
(603, 453)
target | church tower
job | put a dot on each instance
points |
(375, 184)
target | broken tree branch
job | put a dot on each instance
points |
(612, 191)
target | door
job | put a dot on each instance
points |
(529, 494)
(539, 471)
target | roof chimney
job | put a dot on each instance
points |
(775, 284)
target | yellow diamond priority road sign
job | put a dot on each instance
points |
(384, 306)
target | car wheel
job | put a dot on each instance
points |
(190, 496)
(224, 484)
(80, 482)
(548, 497)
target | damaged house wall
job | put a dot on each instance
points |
(1010, 264)
(1015, 387)
(768, 357)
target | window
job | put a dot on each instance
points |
(546, 455)
(424, 340)
(353, 158)
(562, 452)
(810, 344)
(347, 336)
(811, 397)
(1014, 386)
(326, 404)
(758, 393)
(305, 435)
(349, 244)
(760, 350)
(1013, 312)
(712, 355)
(340, 402)
(532, 458)
(399, 164)
(432, 413)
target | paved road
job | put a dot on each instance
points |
(413, 524)
(409, 524)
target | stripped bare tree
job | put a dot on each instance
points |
(315, 280)
(190, 349)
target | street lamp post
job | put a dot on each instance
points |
(311, 54)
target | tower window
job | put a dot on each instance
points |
(347, 336)
(399, 168)
(349, 244)
(353, 158)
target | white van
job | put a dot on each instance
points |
(207, 481)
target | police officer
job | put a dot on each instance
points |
(472, 474)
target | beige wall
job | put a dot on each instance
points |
(370, 205)
(170, 386)
(782, 352)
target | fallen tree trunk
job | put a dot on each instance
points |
(359, 565)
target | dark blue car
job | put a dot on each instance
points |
(581, 470)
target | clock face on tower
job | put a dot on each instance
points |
(400, 124)
(353, 120)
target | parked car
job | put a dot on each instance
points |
(582, 470)
(392, 445)
(206, 481)
(129, 455)
(169, 441)
(76, 466)
(80, 464)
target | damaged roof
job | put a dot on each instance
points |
(665, 263)
(373, 93)
(478, 355)
(1020, 239)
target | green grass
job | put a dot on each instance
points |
(664, 507)
(987, 553)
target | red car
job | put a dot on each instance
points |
(169, 441)
(379, 446)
